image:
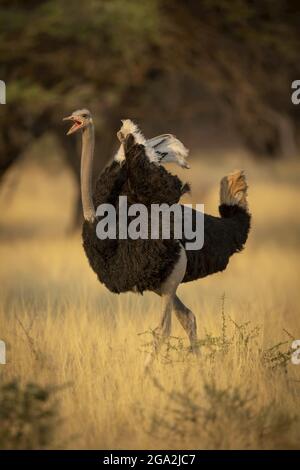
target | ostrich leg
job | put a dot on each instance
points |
(187, 320)
(167, 292)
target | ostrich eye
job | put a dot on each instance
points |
(84, 115)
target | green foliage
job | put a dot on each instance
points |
(112, 44)
(107, 55)
(29, 416)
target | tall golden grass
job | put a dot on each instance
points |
(62, 328)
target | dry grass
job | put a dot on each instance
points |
(61, 327)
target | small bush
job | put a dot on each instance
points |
(217, 417)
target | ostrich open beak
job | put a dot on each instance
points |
(78, 123)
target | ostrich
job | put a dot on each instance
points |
(155, 265)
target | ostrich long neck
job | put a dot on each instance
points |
(87, 155)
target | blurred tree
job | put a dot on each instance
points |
(245, 53)
(57, 56)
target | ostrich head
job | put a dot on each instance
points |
(81, 118)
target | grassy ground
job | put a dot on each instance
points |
(62, 328)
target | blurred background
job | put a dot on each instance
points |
(216, 73)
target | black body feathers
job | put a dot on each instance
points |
(139, 265)
(222, 238)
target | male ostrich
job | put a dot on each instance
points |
(155, 265)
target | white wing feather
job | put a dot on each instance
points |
(164, 148)
(169, 149)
